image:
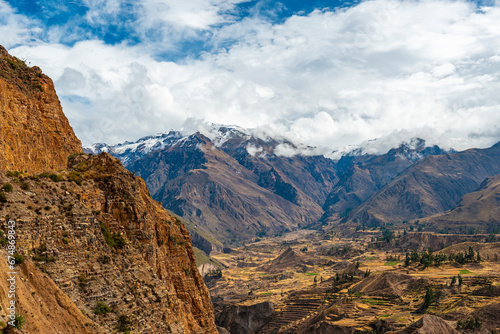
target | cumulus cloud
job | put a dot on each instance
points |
(331, 78)
(15, 29)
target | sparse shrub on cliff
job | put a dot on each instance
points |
(82, 167)
(472, 323)
(3, 197)
(25, 186)
(18, 258)
(124, 323)
(53, 176)
(74, 155)
(114, 240)
(15, 62)
(7, 187)
(19, 321)
(90, 175)
(14, 173)
(75, 177)
(101, 308)
(3, 241)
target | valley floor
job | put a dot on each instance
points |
(309, 282)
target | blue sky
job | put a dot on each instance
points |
(324, 73)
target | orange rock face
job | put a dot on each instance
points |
(90, 232)
(35, 135)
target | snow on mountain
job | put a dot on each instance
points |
(128, 152)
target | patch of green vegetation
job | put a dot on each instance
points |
(101, 308)
(19, 321)
(75, 177)
(18, 258)
(371, 257)
(207, 236)
(358, 294)
(114, 240)
(311, 274)
(202, 258)
(265, 293)
(465, 271)
(7, 187)
(391, 263)
(14, 173)
(124, 323)
(53, 176)
(3, 197)
(374, 301)
(385, 316)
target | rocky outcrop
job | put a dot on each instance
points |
(388, 284)
(246, 319)
(47, 307)
(35, 136)
(429, 324)
(100, 237)
(100, 254)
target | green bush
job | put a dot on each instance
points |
(65, 241)
(55, 177)
(7, 187)
(25, 186)
(75, 177)
(3, 197)
(124, 323)
(13, 173)
(18, 258)
(115, 240)
(101, 308)
(19, 321)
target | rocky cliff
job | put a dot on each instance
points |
(100, 255)
(35, 136)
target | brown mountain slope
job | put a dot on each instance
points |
(479, 209)
(235, 198)
(99, 236)
(432, 185)
(94, 231)
(31, 120)
(64, 316)
(365, 174)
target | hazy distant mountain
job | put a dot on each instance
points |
(476, 211)
(430, 186)
(364, 174)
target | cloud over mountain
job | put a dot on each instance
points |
(326, 78)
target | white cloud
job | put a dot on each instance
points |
(254, 150)
(14, 29)
(381, 69)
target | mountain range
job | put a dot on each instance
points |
(234, 186)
